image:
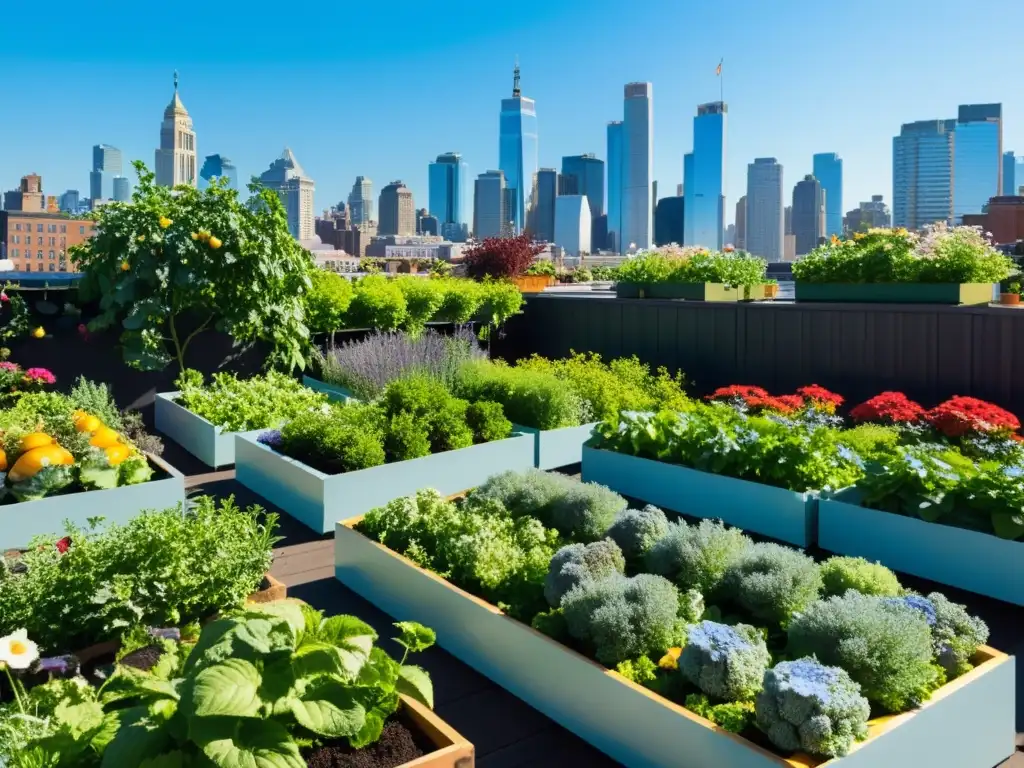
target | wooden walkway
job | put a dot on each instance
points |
(506, 732)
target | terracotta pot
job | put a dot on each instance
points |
(771, 290)
(274, 591)
(532, 283)
(1010, 299)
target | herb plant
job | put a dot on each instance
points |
(693, 265)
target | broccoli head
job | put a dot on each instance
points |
(636, 531)
(807, 706)
(725, 662)
(576, 563)
(839, 574)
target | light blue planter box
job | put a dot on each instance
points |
(784, 515)
(204, 440)
(319, 500)
(20, 522)
(966, 724)
(333, 392)
(558, 447)
(957, 557)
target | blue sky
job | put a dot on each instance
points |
(380, 89)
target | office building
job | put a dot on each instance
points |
(447, 180)
(584, 175)
(1009, 174)
(599, 233)
(549, 187)
(637, 166)
(922, 173)
(517, 153)
(741, 224)
(787, 219)
(868, 215)
(360, 201)
(572, 224)
(69, 201)
(730, 235)
(669, 219)
(765, 221)
(1018, 177)
(28, 196)
(396, 210)
(217, 167)
(490, 201)
(37, 241)
(613, 232)
(427, 223)
(286, 177)
(1004, 218)
(122, 189)
(654, 202)
(789, 247)
(828, 170)
(176, 157)
(704, 187)
(808, 214)
(107, 163)
(977, 158)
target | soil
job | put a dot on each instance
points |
(143, 658)
(398, 745)
(264, 585)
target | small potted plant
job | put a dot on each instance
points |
(771, 289)
(1011, 296)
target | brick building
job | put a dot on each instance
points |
(36, 241)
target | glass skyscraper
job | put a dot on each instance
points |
(490, 201)
(122, 189)
(922, 173)
(828, 170)
(764, 222)
(1010, 174)
(517, 153)
(977, 157)
(106, 164)
(216, 167)
(637, 166)
(447, 178)
(809, 205)
(360, 200)
(704, 184)
(544, 213)
(613, 238)
(584, 175)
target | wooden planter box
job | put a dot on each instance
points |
(556, 448)
(957, 557)
(691, 291)
(20, 522)
(533, 283)
(203, 439)
(968, 723)
(450, 749)
(319, 500)
(333, 392)
(776, 512)
(896, 293)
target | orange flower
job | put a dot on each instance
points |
(835, 240)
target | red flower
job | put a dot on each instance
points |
(63, 544)
(888, 408)
(42, 375)
(6, 365)
(820, 395)
(757, 399)
(959, 416)
(740, 391)
(791, 402)
(4, 297)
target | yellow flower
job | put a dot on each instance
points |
(140, 238)
(17, 651)
(165, 222)
(858, 235)
(195, 235)
(671, 659)
(835, 240)
(39, 332)
(124, 266)
(214, 242)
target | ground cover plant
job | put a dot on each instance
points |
(758, 638)
(673, 264)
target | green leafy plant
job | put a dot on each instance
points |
(693, 265)
(327, 301)
(173, 263)
(531, 398)
(839, 574)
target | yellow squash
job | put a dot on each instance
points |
(104, 437)
(31, 462)
(35, 440)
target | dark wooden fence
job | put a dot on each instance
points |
(929, 352)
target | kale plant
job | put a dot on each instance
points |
(530, 493)
(726, 663)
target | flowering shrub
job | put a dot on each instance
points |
(821, 398)
(15, 382)
(960, 416)
(673, 264)
(756, 399)
(888, 408)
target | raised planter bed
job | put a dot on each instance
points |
(319, 500)
(556, 448)
(957, 557)
(776, 512)
(896, 293)
(969, 723)
(203, 439)
(533, 283)
(451, 750)
(20, 522)
(333, 392)
(691, 291)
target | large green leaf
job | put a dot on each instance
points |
(175, 759)
(135, 743)
(289, 610)
(414, 681)
(266, 635)
(232, 743)
(329, 709)
(228, 688)
(352, 637)
(316, 658)
(213, 645)
(415, 637)
(81, 717)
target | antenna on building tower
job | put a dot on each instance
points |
(515, 79)
(175, 79)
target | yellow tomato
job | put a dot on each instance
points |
(31, 462)
(195, 235)
(35, 440)
(165, 222)
(124, 266)
(104, 437)
(39, 332)
(88, 423)
(215, 242)
(117, 453)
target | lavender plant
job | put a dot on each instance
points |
(366, 367)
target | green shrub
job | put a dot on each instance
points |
(461, 300)
(886, 649)
(378, 303)
(732, 716)
(871, 441)
(488, 422)
(407, 438)
(327, 301)
(839, 574)
(530, 398)
(428, 401)
(576, 563)
(697, 557)
(637, 531)
(449, 430)
(344, 438)
(523, 494)
(423, 298)
(772, 582)
(956, 634)
(584, 511)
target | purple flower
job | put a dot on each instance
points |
(271, 438)
(59, 666)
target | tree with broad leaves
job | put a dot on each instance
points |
(173, 263)
(501, 257)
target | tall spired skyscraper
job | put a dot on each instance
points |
(614, 235)
(176, 157)
(637, 166)
(704, 178)
(286, 177)
(517, 153)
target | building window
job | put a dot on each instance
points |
(39, 227)
(51, 228)
(17, 227)
(63, 242)
(15, 253)
(81, 230)
(53, 267)
(39, 255)
(63, 267)
(16, 239)
(63, 228)
(28, 239)
(28, 266)
(52, 256)
(53, 241)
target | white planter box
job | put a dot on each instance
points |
(203, 439)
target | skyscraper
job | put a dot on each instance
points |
(218, 167)
(828, 170)
(704, 187)
(396, 210)
(613, 237)
(741, 224)
(447, 177)
(106, 164)
(176, 157)
(517, 152)
(1010, 174)
(868, 215)
(489, 204)
(922, 173)
(808, 214)
(122, 189)
(69, 201)
(544, 214)
(764, 225)
(1019, 178)
(637, 165)
(977, 158)
(360, 201)
(286, 177)
(584, 175)
(669, 218)
(572, 224)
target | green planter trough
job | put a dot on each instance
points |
(896, 293)
(333, 391)
(775, 512)
(20, 522)
(203, 439)
(556, 448)
(690, 291)
(319, 500)
(957, 557)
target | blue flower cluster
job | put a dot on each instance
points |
(271, 438)
(725, 662)
(921, 604)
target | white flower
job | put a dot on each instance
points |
(17, 651)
